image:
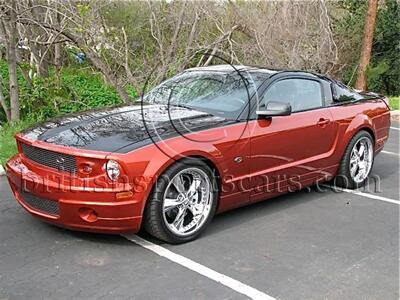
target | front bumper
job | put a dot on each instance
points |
(73, 207)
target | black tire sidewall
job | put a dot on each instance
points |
(157, 198)
(344, 178)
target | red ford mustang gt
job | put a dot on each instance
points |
(205, 141)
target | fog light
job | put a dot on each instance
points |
(88, 214)
(86, 169)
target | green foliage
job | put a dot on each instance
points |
(348, 28)
(375, 74)
(386, 49)
(75, 90)
(83, 9)
(88, 89)
(394, 103)
(384, 69)
(8, 146)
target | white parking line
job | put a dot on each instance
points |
(198, 268)
(395, 128)
(372, 196)
(391, 153)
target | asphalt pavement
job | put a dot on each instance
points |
(303, 245)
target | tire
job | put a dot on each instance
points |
(345, 178)
(162, 216)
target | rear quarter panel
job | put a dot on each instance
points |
(370, 115)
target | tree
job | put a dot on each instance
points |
(3, 101)
(365, 57)
(384, 69)
(8, 28)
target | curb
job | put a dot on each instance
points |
(2, 172)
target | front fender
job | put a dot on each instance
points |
(146, 165)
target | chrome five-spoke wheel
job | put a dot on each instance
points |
(361, 159)
(187, 201)
(357, 161)
(183, 202)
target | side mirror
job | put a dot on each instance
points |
(274, 109)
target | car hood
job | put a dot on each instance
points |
(122, 129)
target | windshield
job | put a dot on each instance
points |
(218, 93)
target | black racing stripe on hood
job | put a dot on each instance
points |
(154, 138)
(123, 129)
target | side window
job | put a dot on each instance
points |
(301, 94)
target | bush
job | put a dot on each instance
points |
(384, 69)
(394, 103)
(8, 146)
(385, 63)
(77, 89)
(88, 89)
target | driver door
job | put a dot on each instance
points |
(288, 152)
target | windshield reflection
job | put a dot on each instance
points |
(219, 93)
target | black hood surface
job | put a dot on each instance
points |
(124, 128)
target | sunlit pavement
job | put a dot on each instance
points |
(305, 245)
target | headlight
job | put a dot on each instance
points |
(113, 170)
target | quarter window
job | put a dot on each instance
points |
(301, 94)
(342, 93)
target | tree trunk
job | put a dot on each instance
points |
(3, 101)
(58, 47)
(122, 93)
(365, 57)
(12, 63)
(58, 61)
(58, 56)
(43, 64)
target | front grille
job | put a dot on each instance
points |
(55, 160)
(41, 204)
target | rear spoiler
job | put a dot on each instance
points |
(372, 95)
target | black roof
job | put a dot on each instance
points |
(265, 70)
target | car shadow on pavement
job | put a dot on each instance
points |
(242, 215)
(226, 221)
(93, 237)
(221, 222)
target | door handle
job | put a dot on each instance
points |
(323, 122)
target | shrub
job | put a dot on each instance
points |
(8, 146)
(77, 89)
(394, 103)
